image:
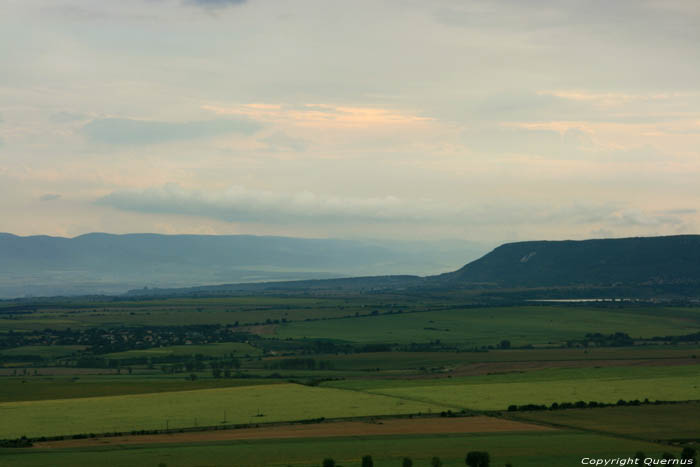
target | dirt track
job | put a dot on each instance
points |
(478, 424)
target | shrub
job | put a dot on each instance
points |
(478, 459)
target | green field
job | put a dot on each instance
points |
(556, 449)
(249, 404)
(65, 387)
(497, 392)
(239, 349)
(183, 312)
(488, 326)
(417, 360)
(653, 422)
(43, 351)
(328, 343)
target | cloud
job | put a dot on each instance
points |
(124, 131)
(323, 116)
(639, 218)
(49, 197)
(215, 3)
(241, 205)
(67, 117)
(610, 99)
(281, 142)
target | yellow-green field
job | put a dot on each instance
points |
(249, 404)
(497, 392)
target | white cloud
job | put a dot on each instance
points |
(241, 205)
(132, 131)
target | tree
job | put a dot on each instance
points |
(639, 457)
(688, 454)
(435, 462)
(328, 462)
(407, 462)
(367, 461)
(505, 344)
(478, 459)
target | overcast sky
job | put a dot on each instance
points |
(486, 121)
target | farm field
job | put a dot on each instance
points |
(374, 427)
(206, 407)
(43, 351)
(497, 392)
(536, 449)
(215, 349)
(183, 312)
(525, 325)
(161, 364)
(64, 387)
(416, 360)
(653, 422)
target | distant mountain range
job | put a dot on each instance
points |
(642, 266)
(99, 263)
(197, 264)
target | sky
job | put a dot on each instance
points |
(484, 121)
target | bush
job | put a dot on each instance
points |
(22, 442)
(328, 462)
(367, 461)
(478, 459)
(688, 454)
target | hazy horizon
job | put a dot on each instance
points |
(501, 121)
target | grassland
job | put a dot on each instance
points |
(250, 404)
(557, 449)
